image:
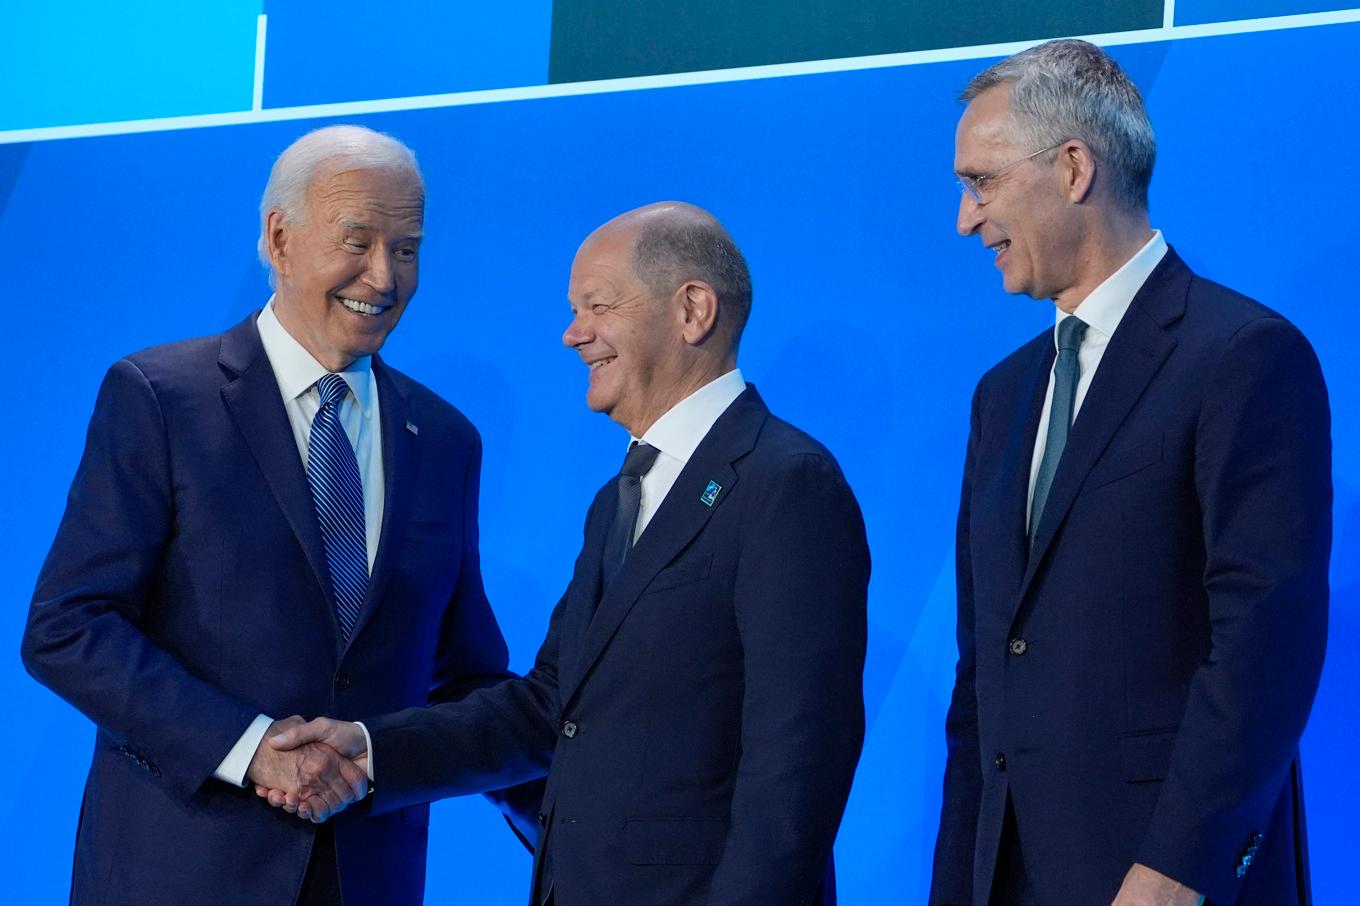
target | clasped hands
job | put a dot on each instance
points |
(311, 769)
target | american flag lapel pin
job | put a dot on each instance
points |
(411, 426)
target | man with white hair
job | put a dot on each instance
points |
(268, 522)
(1143, 535)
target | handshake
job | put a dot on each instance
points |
(311, 769)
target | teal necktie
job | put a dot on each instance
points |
(1066, 374)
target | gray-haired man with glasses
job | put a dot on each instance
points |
(1143, 535)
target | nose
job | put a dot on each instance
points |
(379, 275)
(970, 215)
(576, 333)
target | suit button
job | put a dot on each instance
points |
(1000, 761)
(343, 680)
(569, 729)
(1019, 647)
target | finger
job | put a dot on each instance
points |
(261, 791)
(299, 735)
(355, 778)
(276, 798)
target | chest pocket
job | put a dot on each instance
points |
(694, 569)
(1125, 463)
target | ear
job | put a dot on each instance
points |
(699, 305)
(1078, 168)
(276, 235)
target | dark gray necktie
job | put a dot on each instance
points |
(619, 537)
(1066, 374)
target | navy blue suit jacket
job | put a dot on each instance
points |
(1138, 681)
(187, 591)
(703, 722)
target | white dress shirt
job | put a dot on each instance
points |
(297, 372)
(677, 434)
(1102, 311)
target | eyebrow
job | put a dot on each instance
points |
(349, 224)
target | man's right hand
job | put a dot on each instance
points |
(308, 777)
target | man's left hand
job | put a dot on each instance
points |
(1145, 887)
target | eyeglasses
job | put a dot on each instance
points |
(973, 186)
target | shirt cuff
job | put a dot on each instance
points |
(234, 767)
(368, 747)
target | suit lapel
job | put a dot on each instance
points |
(585, 587)
(252, 397)
(1018, 459)
(1136, 352)
(400, 455)
(681, 517)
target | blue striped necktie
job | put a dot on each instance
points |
(338, 492)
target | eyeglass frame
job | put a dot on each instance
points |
(972, 186)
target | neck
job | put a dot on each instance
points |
(1107, 245)
(698, 376)
(298, 329)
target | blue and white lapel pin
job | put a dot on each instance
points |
(710, 494)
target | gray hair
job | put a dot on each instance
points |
(330, 149)
(1072, 89)
(670, 250)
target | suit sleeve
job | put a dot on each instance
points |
(493, 737)
(952, 880)
(1263, 477)
(472, 652)
(800, 598)
(83, 639)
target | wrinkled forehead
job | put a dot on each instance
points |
(987, 127)
(393, 195)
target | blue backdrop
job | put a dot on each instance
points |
(839, 188)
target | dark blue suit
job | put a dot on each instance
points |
(1137, 682)
(704, 717)
(187, 591)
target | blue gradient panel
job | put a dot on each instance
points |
(1197, 12)
(86, 61)
(354, 50)
(839, 188)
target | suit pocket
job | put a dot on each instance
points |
(1146, 755)
(693, 570)
(675, 841)
(1125, 463)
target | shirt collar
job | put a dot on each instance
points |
(1104, 308)
(684, 426)
(297, 371)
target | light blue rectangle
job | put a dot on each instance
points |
(1199, 12)
(84, 61)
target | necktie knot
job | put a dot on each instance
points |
(639, 460)
(1071, 330)
(332, 389)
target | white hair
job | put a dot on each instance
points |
(330, 149)
(1069, 89)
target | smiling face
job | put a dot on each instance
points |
(633, 343)
(1026, 218)
(345, 273)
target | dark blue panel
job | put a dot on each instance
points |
(353, 50)
(1195, 12)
